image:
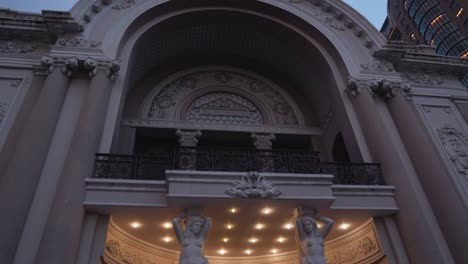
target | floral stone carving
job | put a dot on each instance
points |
(14, 47)
(126, 255)
(456, 146)
(78, 42)
(224, 107)
(253, 185)
(124, 4)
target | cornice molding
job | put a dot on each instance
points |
(423, 59)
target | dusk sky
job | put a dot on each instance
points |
(374, 10)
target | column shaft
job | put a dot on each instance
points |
(62, 234)
(422, 236)
(51, 172)
(19, 182)
(430, 167)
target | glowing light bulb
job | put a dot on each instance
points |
(281, 239)
(225, 239)
(248, 251)
(135, 224)
(288, 226)
(229, 226)
(259, 226)
(222, 251)
(253, 240)
(267, 211)
(167, 239)
(167, 225)
(319, 225)
(274, 251)
(344, 226)
(233, 210)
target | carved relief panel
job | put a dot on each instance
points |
(450, 131)
(221, 95)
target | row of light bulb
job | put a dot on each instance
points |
(223, 251)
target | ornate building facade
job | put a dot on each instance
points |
(249, 118)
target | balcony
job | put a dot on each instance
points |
(110, 166)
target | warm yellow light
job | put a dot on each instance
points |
(460, 12)
(225, 239)
(274, 251)
(464, 55)
(248, 251)
(288, 226)
(233, 210)
(259, 226)
(267, 211)
(281, 239)
(222, 251)
(229, 226)
(167, 225)
(344, 226)
(135, 224)
(253, 240)
(436, 19)
(319, 225)
(167, 239)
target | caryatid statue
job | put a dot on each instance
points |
(311, 238)
(191, 238)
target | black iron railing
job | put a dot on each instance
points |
(217, 159)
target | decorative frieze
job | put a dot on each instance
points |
(425, 79)
(78, 42)
(124, 4)
(253, 186)
(378, 67)
(16, 47)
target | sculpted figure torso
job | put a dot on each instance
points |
(312, 239)
(191, 239)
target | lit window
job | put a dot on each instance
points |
(464, 55)
(460, 12)
(439, 17)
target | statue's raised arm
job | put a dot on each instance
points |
(192, 237)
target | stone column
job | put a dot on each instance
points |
(263, 161)
(429, 166)
(19, 181)
(93, 238)
(187, 154)
(416, 221)
(61, 238)
(51, 172)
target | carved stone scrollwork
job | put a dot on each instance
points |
(263, 141)
(378, 67)
(78, 42)
(384, 89)
(253, 186)
(48, 63)
(425, 79)
(188, 138)
(126, 255)
(113, 69)
(124, 4)
(456, 146)
(16, 47)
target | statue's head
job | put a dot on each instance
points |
(309, 225)
(194, 226)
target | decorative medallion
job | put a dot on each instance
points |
(253, 186)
